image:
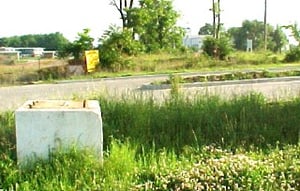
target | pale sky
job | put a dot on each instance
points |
(20, 17)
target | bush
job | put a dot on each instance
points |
(77, 48)
(293, 55)
(115, 43)
(218, 48)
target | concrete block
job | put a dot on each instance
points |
(46, 125)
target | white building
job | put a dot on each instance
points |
(24, 51)
(194, 41)
(30, 51)
(10, 53)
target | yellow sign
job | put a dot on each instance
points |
(92, 60)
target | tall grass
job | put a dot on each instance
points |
(7, 135)
(256, 58)
(28, 71)
(204, 143)
(244, 121)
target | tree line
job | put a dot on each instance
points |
(150, 26)
(52, 41)
(252, 30)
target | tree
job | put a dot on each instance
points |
(28, 41)
(14, 41)
(155, 23)
(294, 53)
(295, 32)
(52, 41)
(216, 46)
(77, 48)
(123, 6)
(207, 29)
(279, 40)
(253, 30)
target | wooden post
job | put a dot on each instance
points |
(265, 27)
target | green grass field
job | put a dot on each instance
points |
(45, 70)
(204, 143)
(200, 143)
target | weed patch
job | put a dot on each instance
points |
(204, 143)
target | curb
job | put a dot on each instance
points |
(221, 83)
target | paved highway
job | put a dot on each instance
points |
(14, 96)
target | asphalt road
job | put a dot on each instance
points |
(13, 97)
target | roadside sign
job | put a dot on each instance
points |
(92, 60)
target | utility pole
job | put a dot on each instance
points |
(219, 19)
(216, 10)
(214, 18)
(265, 27)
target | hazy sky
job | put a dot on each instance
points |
(19, 17)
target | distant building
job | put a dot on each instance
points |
(49, 54)
(30, 51)
(8, 49)
(194, 41)
(9, 53)
(24, 51)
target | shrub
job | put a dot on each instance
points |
(293, 55)
(115, 43)
(77, 48)
(218, 48)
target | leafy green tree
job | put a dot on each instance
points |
(218, 45)
(14, 41)
(28, 41)
(279, 40)
(52, 41)
(293, 55)
(83, 42)
(295, 32)
(253, 30)
(207, 29)
(155, 23)
(115, 43)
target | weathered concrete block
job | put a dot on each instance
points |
(46, 125)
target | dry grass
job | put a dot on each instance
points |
(12, 72)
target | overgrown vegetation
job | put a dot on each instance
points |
(31, 71)
(76, 49)
(243, 121)
(115, 44)
(204, 143)
(217, 48)
(241, 75)
(199, 143)
(293, 55)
